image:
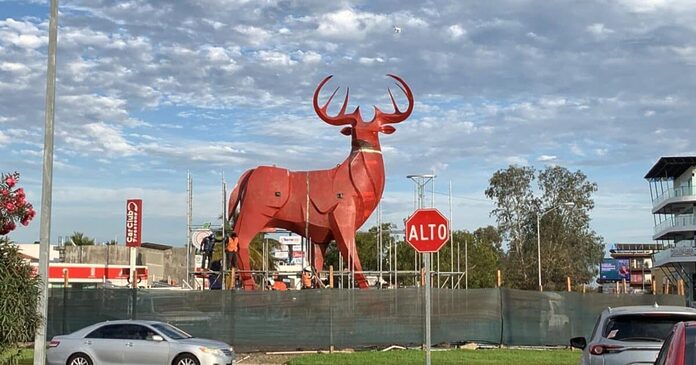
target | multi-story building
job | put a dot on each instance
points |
(640, 266)
(673, 191)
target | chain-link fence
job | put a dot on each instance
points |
(311, 319)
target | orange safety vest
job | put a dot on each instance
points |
(232, 243)
(279, 285)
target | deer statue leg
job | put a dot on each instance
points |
(246, 227)
(318, 253)
(344, 233)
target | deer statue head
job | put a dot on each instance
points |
(364, 134)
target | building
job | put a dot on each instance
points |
(637, 257)
(672, 183)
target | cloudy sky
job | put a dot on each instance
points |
(147, 90)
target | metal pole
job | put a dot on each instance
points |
(539, 251)
(427, 307)
(396, 266)
(133, 277)
(47, 187)
(188, 225)
(466, 264)
(379, 241)
(451, 238)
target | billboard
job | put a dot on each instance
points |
(134, 222)
(290, 240)
(614, 270)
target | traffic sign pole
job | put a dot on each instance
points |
(427, 308)
(427, 230)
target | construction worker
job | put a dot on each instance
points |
(307, 278)
(278, 285)
(231, 249)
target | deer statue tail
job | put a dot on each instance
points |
(236, 195)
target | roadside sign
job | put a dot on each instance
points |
(427, 230)
(134, 222)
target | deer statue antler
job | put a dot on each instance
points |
(342, 118)
(397, 116)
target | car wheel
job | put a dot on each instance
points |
(79, 359)
(186, 359)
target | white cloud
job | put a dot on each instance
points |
(370, 61)
(108, 138)
(275, 58)
(351, 24)
(4, 139)
(456, 31)
(599, 30)
(309, 57)
(14, 67)
(517, 160)
(546, 158)
(254, 35)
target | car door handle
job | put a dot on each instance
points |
(129, 344)
(88, 342)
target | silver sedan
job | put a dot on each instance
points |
(136, 342)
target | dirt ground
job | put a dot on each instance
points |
(261, 358)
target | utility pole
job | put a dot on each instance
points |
(47, 187)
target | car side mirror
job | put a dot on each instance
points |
(578, 342)
(157, 338)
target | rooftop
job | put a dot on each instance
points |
(670, 167)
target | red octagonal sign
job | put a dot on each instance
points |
(427, 230)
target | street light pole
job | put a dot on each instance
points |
(539, 216)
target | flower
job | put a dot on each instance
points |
(10, 207)
(10, 181)
(4, 192)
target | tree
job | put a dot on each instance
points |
(19, 293)
(569, 247)
(79, 239)
(13, 204)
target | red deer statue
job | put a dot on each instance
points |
(328, 204)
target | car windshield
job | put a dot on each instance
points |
(642, 327)
(171, 331)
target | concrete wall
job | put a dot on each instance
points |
(162, 264)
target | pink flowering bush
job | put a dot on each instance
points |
(14, 206)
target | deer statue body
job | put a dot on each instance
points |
(325, 205)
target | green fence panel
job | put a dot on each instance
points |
(318, 319)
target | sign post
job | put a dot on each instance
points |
(427, 230)
(134, 225)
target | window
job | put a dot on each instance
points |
(662, 356)
(113, 331)
(171, 331)
(122, 332)
(642, 327)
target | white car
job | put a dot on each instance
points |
(136, 343)
(630, 335)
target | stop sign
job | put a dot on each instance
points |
(427, 230)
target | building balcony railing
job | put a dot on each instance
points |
(676, 224)
(675, 192)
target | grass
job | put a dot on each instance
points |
(26, 357)
(471, 357)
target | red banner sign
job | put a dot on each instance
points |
(134, 222)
